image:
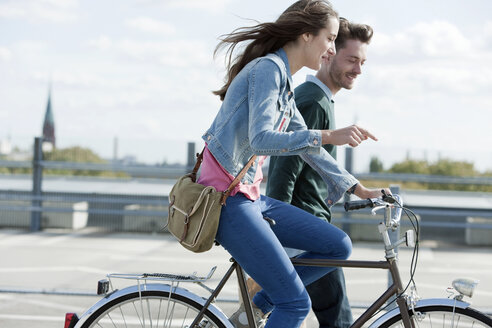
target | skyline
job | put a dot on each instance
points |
(143, 71)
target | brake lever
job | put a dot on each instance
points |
(388, 197)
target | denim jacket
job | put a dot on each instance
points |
(259, 116)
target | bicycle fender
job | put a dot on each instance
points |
(421, 303)
(153, 287)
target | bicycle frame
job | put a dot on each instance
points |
(390, 264)
(395, 289)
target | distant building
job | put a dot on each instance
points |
(5, 147)
(20, 155)
(128, 160)
(49, 140)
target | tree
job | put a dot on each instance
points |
(410, 166)
(443, 167)
(375, 166)
(452, 168)
(79, 155)
(73, 154)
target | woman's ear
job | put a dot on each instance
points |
(306, 36)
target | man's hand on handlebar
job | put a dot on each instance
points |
(363, 192)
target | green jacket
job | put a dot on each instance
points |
(290, 179)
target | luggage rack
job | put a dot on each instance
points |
(103, 286)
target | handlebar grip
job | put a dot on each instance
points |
(357, 204)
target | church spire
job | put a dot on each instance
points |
(49, 126)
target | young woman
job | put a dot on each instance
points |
(258, 116)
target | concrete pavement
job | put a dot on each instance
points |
(57, 262)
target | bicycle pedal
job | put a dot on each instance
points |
(205, 324)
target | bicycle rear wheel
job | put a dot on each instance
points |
(150, 309)
(442, 316)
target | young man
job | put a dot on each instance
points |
(293, 181)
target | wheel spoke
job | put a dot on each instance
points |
(142, 324)
(150, 314)
(123, 316)
(159, 313)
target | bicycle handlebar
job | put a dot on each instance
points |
(358, 204)
(369, 202)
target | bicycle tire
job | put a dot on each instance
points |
(442, 316)
(150, 309)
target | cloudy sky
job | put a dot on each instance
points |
(142, 71)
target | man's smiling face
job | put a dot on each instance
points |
(347, 64)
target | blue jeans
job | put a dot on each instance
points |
(258, 248)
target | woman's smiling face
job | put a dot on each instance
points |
(322, 46)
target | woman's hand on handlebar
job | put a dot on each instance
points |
(363, 192)
(351, 135)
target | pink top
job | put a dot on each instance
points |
(213, 174)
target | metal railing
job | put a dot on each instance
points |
(116, 207)
(424, 178)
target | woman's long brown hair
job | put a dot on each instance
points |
(304, 16)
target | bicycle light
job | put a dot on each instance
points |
(465, 286)
(70, 320)
(410, 238)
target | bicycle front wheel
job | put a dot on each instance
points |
(442, 316)
(150, 309)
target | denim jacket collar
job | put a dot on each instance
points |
(283, 55)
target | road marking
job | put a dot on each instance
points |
(54, 305)
(17, 240)
(56, 269)
(455, 271)
(170, 259)
(58, 239)
(22, 317)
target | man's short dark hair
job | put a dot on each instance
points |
(352, 31)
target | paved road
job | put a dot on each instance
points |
(73, 262)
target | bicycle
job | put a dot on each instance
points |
(153, 303)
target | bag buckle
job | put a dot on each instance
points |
(171, 208)
(186, 225)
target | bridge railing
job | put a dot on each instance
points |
(119, 207)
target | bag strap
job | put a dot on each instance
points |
(199, 160)
(227, 192)
(238, 178)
